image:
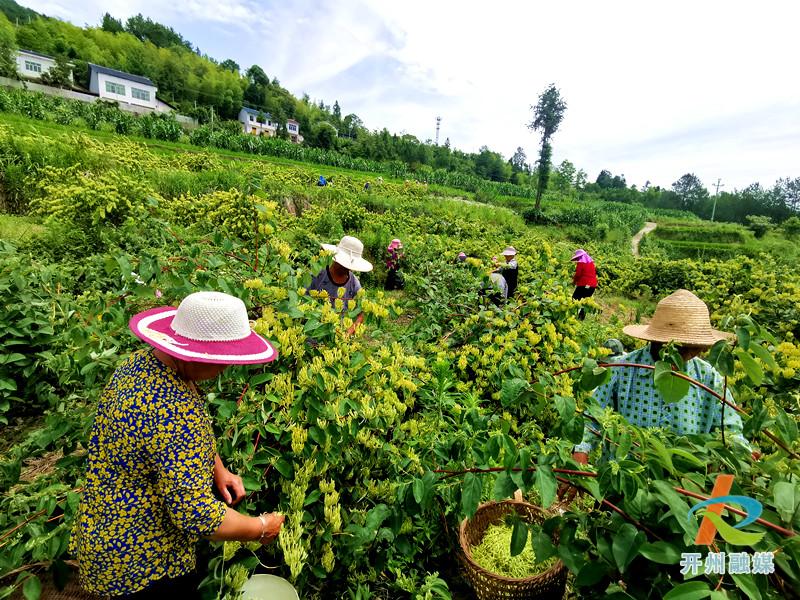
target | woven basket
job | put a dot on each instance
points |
(549, 584)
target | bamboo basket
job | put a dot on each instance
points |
(547, 585)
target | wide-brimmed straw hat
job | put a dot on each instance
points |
(348, 254)
(510, 251)
(682, 318)
(207, 327)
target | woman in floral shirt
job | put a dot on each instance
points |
(147, 498)
(394, 280)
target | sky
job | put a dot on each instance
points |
(653, 90)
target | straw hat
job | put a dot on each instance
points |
(207, 327)
(510, 251)
(348, 254)
(579, 254)
(681, 317)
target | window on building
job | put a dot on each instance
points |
(292, 127)
(33, 66)
(115, 88)
(252, 118)
(139, 94)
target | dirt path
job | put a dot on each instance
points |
(648, 227)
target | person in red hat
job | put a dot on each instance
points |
(147, 497)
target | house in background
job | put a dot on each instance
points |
(293, 127)
(258, 122)
(32, 65)
(119, 86)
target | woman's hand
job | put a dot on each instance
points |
(230, 486)
(272, 523)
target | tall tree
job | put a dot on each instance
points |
(111, 24)
(690, 190)
(337, 112)
(230, 65)
(547, 116)
(8, 49)
(519, 161)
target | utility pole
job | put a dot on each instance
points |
(438, 123)
(716, 193)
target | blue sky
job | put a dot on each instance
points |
(653, 91)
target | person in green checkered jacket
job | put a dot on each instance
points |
(681, 318)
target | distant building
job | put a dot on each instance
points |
(32, 65)
(258, 122)
(293, 127)
(119, 86)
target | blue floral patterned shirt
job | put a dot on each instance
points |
(633, 394)
(148, 496)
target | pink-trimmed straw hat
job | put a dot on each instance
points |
(207, 327)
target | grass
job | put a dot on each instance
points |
(17, 229)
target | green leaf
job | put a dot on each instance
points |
(691, 590)
(787, 426)
(519, 537)
(671, 388)
(660, 552)
(471, 494)
(679, 508)
(32, 588)
(504, 486)
(748, 584)
(593, 376)
(543, 547)
(730, 534)
(419, 490)
(764, 354)
(787, 497)
(743, 335)
(625, 546)
(546, 484)
(284, 468)
(751, 367)
(590, 574)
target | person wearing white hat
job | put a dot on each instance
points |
(510, 271)
(347, 257)
(681, 318)
(147, 497)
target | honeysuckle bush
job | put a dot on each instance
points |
(347, 433)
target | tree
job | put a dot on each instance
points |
(324, 135)
(605, 180)
(60, 75)
(690, 190)
(547, 116)
(230, 65)
(160, 35)
(337, 112)
(111, 24)
(519, 161)
(580, 179)
(565, 176)
(759, 224)
(8, 49)
(256, 76)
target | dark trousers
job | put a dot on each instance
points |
(394, 280)
(169, 589)
(582, 292)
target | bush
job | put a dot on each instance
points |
(759, 224)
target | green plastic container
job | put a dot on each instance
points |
(268, 587)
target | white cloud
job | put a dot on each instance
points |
(653, 91)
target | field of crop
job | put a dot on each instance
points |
(376, 445)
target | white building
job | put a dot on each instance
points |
(258, 122)
(32, 65)
(122, 87)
